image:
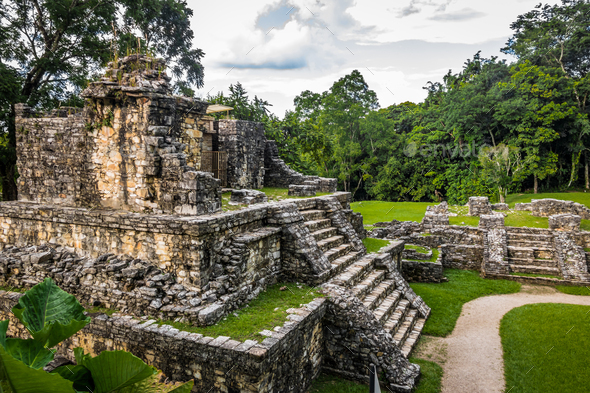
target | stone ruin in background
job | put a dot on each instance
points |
(496, 250)
(135, 146)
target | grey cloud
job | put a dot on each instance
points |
(289, 64)
(461, 15)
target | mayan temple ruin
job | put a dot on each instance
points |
(120, 203)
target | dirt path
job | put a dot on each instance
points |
(471, 356)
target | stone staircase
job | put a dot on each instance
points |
(357, 271)
(531, 252)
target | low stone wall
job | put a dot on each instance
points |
(488, 221)
(548, 207)
(523, 207)
(415, 271)
(500, 206)
(462, 256)
(301, 190)
(415, 254)
(247, 197)
(286, 361)
(479, 206)
(432, 220)
(565, 222)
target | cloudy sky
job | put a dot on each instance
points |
(277, 49)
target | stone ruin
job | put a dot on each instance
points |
(120, 206)
(496, 250)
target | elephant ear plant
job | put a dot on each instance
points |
(51, 315)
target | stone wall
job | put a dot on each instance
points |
(53, 157)
(231, 277)
(286, 361)
(244, 142)
(488, 221)
(207, 254)
(548, 207)
(461, 256)
(415, 271)
(122, 152)
(565, 222)
(278, 174)
(479, 206)
(571, 257)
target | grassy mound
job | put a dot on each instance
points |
(546, 348)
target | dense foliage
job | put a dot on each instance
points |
(51, 315)
(491, 129)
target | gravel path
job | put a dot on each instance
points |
(471, 356)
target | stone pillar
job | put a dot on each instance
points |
(489, 221)
(479, 206)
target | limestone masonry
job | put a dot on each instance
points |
(120, 204)
(494, 249)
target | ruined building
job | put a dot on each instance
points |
(120, 203)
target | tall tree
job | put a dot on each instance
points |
(347, 102)
(55, 46)
(558, 36)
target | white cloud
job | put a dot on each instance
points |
(316, 42)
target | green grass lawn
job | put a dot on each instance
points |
(546, 348)
(374, 245)
(446, 299)
(265, 312)
(580, 197)
(420, 249)
(377, 211)
(581, 291)
(430, 381)
(433, 258)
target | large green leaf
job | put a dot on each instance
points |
(20, 378)
(79, 375)
(30, 352)
(114, 370)
(50, 314)
(3, 330)
(184, 388)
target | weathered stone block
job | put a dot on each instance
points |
(302, 190)
(565, 222)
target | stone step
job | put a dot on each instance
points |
(405, 328)
(368, 283)
(330, 242)
(336, 252)
(316, 225)
(324, 233)
(410, 342)
(393, 306)
(376, 296)
(530, 253)
(313, 215)
(532, 262)
(529, 243)
(355, 272)
(528, 236)
(342, 263)
(535, 270)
